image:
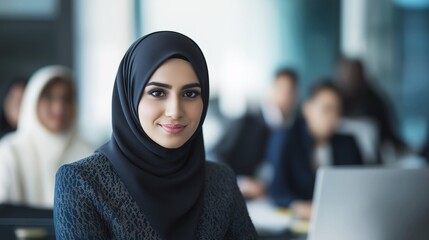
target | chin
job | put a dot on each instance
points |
(57, 128)
(171, 142)
(172, 145)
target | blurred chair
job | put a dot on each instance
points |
(365, 131)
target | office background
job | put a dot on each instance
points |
(244, 42)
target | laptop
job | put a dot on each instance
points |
(370, 204)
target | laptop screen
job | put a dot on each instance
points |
(371, 204)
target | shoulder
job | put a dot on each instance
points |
(7, 138)
(255, 122)
(219, 175)
(8, 149)
(248, 119)
(89, 168)
(344, 140)
(7, 141)
(218, 170)
(85, 179)
(347, 149)
(95, 160)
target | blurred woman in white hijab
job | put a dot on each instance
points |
(46, 138)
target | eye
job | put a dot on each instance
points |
(191, 94)
(157, 93)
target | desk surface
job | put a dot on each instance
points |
(273, 223)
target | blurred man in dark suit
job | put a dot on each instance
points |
(245, 143)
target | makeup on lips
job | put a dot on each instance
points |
(173, 128)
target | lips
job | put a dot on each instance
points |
(173, 128)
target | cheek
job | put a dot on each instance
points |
(329, 122)
(194, 111)
(334, 120)
(69, 114)
(149, 112)
(43, 111)
(71, 109)
(288, 99)
(321, 121)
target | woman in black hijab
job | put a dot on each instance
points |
(151, 180)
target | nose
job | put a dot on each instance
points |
(174, 108)
(58, 108)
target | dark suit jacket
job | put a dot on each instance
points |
(294, 175)
(243, 145)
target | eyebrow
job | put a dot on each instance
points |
(163, 85)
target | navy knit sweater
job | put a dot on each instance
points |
(91, 202)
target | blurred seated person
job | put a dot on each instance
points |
(245, 142)
(11, 97)
(45, 139)
(362, 100)
(311, 143)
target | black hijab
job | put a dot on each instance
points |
(167, 184)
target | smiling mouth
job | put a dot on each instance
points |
(173, 128)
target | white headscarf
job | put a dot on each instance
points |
(30, 157)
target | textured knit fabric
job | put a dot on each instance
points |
(91, 202)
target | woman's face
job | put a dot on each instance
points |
(322, 113)
(56, 106)
(171, 106)
(283, 94)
